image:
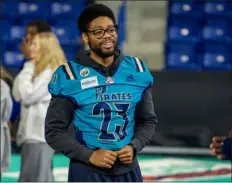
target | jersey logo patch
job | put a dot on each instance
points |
(109, 80)
(84, 72)
(89, 82)
(130, 78)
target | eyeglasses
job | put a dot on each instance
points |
(100, 33)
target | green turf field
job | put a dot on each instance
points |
(154, 168)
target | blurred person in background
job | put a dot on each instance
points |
(221, 146)
(30, 88)
(6, 76)
(6, 109)
(33, 28)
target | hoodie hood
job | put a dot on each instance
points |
(83, 58)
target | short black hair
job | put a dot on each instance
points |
(41, 26)
(92, 12)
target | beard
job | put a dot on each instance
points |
(101, 53)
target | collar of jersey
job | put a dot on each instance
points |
(84, 59)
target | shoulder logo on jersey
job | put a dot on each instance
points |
(130, 78)
(84, 72)
(109, 80)
(89, 82)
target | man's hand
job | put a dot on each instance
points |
(126, 154)
(216, 147)
(103, 158)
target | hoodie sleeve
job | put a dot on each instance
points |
(146, 121)
(145, 117)
(58, 119)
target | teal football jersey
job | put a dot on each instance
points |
(104, 117)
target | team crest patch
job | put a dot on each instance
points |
(84, 72)
(109, 80)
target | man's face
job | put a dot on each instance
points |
(102, 37)
(30, 33)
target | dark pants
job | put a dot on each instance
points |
(79, 174)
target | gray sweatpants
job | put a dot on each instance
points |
(36, 163)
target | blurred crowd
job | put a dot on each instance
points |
(43, 54)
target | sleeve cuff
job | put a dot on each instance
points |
(136, 145)
(86, 156)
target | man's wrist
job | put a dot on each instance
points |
(134, 148)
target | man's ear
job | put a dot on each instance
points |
(85, 37)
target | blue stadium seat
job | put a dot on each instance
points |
(199, 34)
(17, 32)
(2, 48)
(218, 8)
(181, 61)
(182, 33)
(181, 56)
(216, 47)
(5, 29)
(217, 33)
(34, 9)
(218, 21)
(8, 9)
(67, 10)
(66, 31)
(177, 46)
(12, 58)
(217, 61)
(187, 8)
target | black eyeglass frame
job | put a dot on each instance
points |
(105, 30)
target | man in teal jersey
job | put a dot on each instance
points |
(107, 96)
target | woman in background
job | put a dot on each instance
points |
(6, 109)
(34, 27)
(30, 88)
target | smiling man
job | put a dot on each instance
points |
(107, 96)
